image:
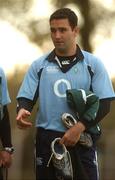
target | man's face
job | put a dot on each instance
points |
(63, 36)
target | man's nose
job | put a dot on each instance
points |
(57, 34)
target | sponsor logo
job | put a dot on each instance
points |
(52, 69)
(66, 62)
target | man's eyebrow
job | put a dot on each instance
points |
(58, 28)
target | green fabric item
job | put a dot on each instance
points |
(85, 104)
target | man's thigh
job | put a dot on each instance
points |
(89, 160)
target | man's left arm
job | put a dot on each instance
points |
(5, 129)
(5, 136)
(103, 110)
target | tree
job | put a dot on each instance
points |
(93, 14)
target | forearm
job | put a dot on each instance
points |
(104, 109)
(25, 103)
(24, 109)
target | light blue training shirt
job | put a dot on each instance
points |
(53, 84)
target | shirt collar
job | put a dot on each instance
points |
(79, 55)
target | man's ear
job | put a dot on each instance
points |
(77, 30)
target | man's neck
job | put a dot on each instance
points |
(71, 52)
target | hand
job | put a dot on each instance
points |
(72, 135)
(5, 159)
(22, 119)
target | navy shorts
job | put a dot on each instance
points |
(84, 160)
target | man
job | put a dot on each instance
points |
(5, 129)
(66, 67)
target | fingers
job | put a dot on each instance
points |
(22, 119)
(6, 164)
(6, 159)
(22, 124)
(67, 142)
(70, 138)
(22, 114)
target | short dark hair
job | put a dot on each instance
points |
(65, 13)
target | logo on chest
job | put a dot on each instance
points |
(58, 90)
(52, 69)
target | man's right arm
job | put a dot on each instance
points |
(25, 104)
(24, 109)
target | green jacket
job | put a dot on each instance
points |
(86, 105)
